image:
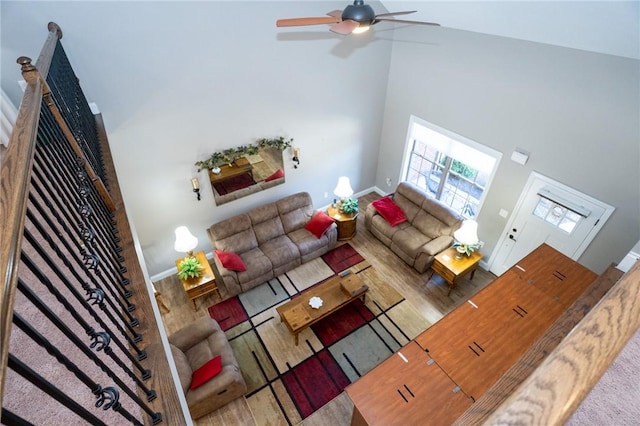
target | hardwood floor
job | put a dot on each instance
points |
(427, 294)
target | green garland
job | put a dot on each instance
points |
(228, 156)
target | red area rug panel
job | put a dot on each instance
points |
(342, 257)
(314, 382)
(228, 313)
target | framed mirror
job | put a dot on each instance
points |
(247, 175)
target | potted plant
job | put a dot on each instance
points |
(465, 249)
(189, 267)
(349, 206)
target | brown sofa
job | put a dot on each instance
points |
(270, 240)
(427, 231)
(194, 345)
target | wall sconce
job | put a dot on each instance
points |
(196, 187)
(296, 157)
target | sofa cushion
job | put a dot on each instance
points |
(280, 251)
(409, 208)
(390, 211)
(307, 242)
(234, 234)
(182, 366)
(318, 224)
(208, 371)
(430, 225)
(266, 223)
(410, 240)
(443, 213)
(259, 265)
(295, 211)
(231, 260)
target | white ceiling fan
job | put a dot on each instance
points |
(355, 18)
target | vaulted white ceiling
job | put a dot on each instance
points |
(610, 26)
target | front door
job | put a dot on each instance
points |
(549, 212)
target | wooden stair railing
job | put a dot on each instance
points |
(65, 152)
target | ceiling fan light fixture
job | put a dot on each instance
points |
(361, 29)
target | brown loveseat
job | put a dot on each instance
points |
(194, 345)
(427, 231)
(270, 240)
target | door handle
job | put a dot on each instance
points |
(512, 238)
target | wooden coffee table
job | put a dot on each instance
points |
(335, 293)
(203, 285)
(451, 269)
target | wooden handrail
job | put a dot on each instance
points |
(15, 174)
(91, 174)
(555, 390)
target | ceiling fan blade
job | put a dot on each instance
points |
(345, 27)
(397, 13)
(402, 21)
(296, 22)
(335, 14)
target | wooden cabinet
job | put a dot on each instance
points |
(474, 345)
(451, 269)
(346, 223)
(203, 285)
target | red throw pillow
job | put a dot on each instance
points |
(207, 372)
(318, 224)
(231, 260)
(390, 211)
(275, 175)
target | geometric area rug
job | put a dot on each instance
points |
(287, 383)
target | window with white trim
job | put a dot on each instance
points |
(451, 168)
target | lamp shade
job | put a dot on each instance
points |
(467, 233)
(185, 240)
(343, 189)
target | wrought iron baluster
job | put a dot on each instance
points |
(47, 194)
(33, 298)
(41, 383)
(145, 374)
(35, 335)
(75, 108)
(61, 157)
(129, 321)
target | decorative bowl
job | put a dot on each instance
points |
(315, 302)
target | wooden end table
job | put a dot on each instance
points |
(451, 269)
(335, 293)
(346, 223)
(203, 285)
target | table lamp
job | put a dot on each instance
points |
(185, 241)
(467, 237)
(343, 189)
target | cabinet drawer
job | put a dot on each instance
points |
(445, 273)
(201, 290)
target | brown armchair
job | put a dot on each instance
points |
(192, 347)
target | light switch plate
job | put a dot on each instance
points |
(503, 213)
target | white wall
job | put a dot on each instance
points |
(176, 81)
(576, 112)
